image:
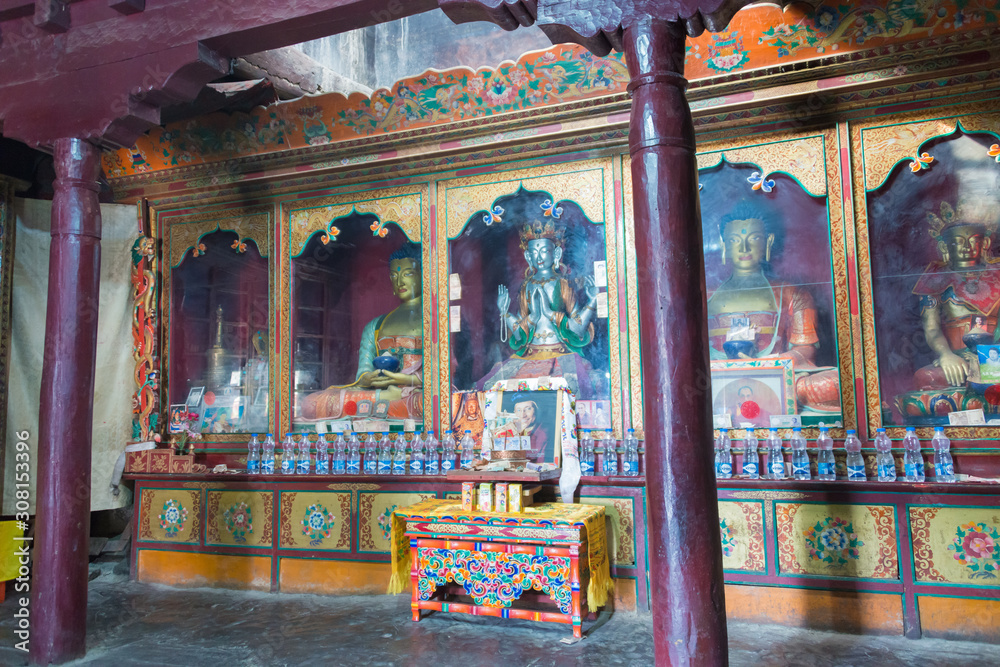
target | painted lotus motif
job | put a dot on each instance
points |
(976, 547)
(317, 524)
(833, 541)
(385, 521)
(728, 538)
(172, 517)
(239, 521)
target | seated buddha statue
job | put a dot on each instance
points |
(780, 319)
(550, 329)
(389, 382)
(959, 297)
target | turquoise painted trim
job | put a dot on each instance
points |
(956, 597)
(604, 196)
(725, 160)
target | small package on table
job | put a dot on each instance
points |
(468, 496)
(501, 497)
(486, 497)
(515, 502)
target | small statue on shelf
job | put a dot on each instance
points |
(550, 330)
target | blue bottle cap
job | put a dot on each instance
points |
(880, 430)
(796, 429)
(939, 428)
(253, 435)
(850, 431)
(468, 431)
(911, 429)
(724, 430)
(631, 430)
(773, 429)
(750, 429)
(824, 429)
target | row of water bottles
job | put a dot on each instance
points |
(349, 456)
(609, 465)
(913, 460)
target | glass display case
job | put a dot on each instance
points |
(528, 292)
(357, 326)
(218, 345)
(935, 280)
(771, 323)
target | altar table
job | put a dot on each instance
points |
(497, 557)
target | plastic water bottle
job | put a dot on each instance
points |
(826, 467)
(432, 462)
(723, 455)
(587, 453)
(751, 461)
(399, 455)
(913, 460)
(288, 455)
(855, 462)
(448, 453)
(630, 455)
(338, 463)
(267, 455)
(253, 455)
(610, 454)
(800, 455)
(775, 458)
(416, 454)
(353, 463)
(468, 446)
(384, 455)
(371, 455)
(944, 467)
(303, 463)
(884, 462)
(322, 456)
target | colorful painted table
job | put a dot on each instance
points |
(496, 558)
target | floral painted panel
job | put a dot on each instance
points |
(621, 514)
(741, 529)
(170, 515)
(239, 518)
(318, 520)
(375, 517)
(958, 545)
(837, 540)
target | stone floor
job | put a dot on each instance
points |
(136, 624)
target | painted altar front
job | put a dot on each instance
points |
(477, 227)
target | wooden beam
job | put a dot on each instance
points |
(127, 6)
(52, 16)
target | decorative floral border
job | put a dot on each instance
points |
(292, 525)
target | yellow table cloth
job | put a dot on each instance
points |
(589, 517)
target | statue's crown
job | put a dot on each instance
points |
(981, 214)
(542, 230)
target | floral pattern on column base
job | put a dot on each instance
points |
(494, 579)
(975, 547)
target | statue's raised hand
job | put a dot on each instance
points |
(590, 288)
(503, 300)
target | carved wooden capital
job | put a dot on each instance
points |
(598, 25)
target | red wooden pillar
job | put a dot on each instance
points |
(62, 533)
(685, 554)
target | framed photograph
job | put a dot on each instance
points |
(195, 396)
(467, 414)
(536, 414)
(593, 414)
(751, 391)
(989, 363)
(178, 414)
(222, 419)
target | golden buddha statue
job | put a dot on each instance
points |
(551, 330)
(778, 320)
(959, 295)
(389, 382)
